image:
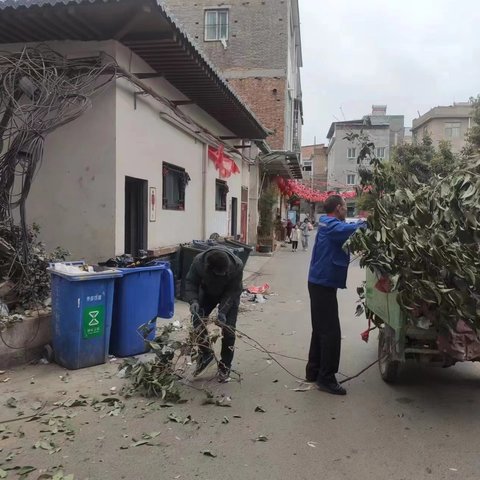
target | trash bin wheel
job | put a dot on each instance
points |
(388, 368)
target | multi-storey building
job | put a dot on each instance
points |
(315, 166)
(385, 131)
(257, 47)
(445, 123)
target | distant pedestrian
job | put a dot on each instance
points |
(295, 236)
(328, 272)
(306, 227)
(289, 229)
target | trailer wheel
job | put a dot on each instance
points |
(388, 367)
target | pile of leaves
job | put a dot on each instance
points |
(424, 232)
(24, 280)
(175, 348)
(156, 377)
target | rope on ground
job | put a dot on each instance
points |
(272, 355)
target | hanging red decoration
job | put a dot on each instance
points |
(223, 163)
(293, 187)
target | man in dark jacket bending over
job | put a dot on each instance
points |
(215, 278)
(328, 272)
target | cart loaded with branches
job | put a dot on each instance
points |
(422, 252)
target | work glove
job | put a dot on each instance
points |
(221, 318)
(194, 308)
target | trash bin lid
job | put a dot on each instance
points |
(71, 272)
(157, 265)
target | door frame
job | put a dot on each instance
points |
(140, 237)
(234, 217)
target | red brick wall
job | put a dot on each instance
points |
(266, 98)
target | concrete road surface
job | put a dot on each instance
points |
(425, 427)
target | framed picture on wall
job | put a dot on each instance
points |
(152, 201)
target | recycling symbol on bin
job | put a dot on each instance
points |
(94, 321)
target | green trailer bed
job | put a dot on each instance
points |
(399, 338)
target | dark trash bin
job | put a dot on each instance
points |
(247, 249)
(189, 251)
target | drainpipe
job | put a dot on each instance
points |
(204, 191)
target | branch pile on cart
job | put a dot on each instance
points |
(422, 247)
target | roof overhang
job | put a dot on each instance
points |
(283, 163)
(149, 31)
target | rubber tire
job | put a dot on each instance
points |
(388, 368)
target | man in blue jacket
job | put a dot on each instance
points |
(328, 272)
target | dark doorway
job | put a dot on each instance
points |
(244, 215)
(136, 215)
(234, 217)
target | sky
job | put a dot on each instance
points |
(410, 55)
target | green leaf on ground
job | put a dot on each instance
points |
(11, 402)
(149, 436)
(24, 471)
(140, 443)
(75, 403)
(210, 454)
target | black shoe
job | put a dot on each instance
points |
(332, 387)
(202, 363)
(223, 375)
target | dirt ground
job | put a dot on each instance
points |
(425, 427)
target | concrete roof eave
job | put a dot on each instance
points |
(150, 31)
(283, 163)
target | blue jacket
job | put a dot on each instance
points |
(329, 263)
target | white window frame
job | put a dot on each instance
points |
(381, 149)
(218, 37)
(350, 176)
(308, 163)
(350, 151)
(452, 127)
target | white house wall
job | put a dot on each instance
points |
(72, 197)
(78, 195)
(144, 140)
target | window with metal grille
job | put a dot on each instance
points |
(175, 181)
(221, 191)
(381, 152)
(216, 25)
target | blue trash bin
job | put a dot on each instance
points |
(141, 294)
(81, 317)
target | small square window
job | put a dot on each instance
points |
(216, 25)
(307, 166)
(351, 153)
(381, 152)
(351, 179)
(175, 180)
(221, 191)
